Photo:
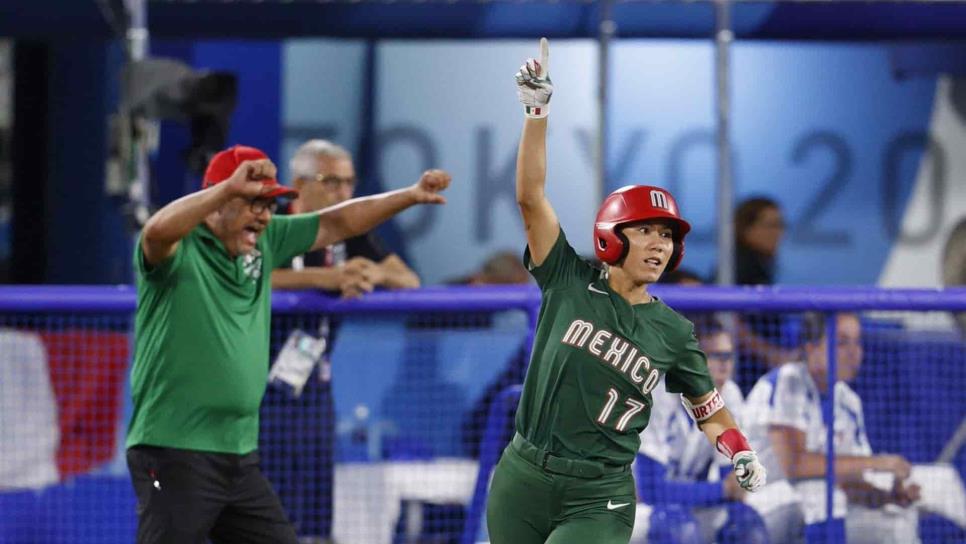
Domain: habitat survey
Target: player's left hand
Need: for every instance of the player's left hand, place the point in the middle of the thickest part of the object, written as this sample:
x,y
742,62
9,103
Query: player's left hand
x,y
749,471
431,183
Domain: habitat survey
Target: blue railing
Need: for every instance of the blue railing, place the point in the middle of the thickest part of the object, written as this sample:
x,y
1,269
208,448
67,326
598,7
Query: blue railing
x,y
122,298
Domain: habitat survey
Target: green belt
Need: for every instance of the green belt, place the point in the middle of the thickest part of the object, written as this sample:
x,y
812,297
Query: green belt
x,y
561,465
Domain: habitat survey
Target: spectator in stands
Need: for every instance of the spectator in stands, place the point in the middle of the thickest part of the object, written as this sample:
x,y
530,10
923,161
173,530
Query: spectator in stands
x,y
203,267
784,417
759,228
680,475
324,176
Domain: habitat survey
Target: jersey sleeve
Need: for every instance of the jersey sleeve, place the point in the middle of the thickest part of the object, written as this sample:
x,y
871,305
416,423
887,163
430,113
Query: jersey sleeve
x,y
561,267
291,235
689,375
163,270
789,401
856,441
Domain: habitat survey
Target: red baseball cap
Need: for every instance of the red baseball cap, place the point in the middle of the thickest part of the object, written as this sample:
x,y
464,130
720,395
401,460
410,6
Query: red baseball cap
x,y
224,164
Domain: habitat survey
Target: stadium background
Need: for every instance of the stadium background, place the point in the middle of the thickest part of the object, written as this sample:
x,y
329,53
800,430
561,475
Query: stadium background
x,y
833,106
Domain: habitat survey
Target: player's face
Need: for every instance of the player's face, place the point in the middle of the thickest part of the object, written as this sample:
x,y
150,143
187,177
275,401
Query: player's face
x,y
848,349
721,356
334,183
650,247
240,222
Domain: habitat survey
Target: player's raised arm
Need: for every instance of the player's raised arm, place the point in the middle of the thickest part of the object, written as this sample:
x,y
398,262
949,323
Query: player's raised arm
x,y
534,89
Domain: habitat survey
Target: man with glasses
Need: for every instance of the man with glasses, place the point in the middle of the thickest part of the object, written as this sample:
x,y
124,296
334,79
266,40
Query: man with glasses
x,y
300,405
203,266
323,174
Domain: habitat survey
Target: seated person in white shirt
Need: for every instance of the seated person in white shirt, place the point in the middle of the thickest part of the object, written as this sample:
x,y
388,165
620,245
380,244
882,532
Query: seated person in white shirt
x,y
783,413
684,480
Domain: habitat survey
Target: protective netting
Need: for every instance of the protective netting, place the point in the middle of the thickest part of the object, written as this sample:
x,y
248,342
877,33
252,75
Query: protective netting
x,y
897,408
382,443
62,401
393,437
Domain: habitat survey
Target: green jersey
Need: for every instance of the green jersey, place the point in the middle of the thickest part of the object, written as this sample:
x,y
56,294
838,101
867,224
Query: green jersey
x,y
201,339
595,360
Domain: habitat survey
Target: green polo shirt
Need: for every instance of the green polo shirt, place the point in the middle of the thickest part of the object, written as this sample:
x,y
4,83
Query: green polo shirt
x,y
596,358
202,339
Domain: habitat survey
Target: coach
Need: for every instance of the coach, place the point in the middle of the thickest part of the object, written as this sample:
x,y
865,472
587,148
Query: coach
x,y
203,267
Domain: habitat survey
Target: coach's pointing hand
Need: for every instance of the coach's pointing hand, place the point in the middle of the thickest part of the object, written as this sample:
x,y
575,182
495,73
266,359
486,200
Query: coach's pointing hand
x,y
534,87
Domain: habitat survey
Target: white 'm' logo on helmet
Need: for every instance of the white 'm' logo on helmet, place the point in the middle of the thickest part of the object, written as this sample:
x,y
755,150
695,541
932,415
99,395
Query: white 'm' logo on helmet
x,y
659,200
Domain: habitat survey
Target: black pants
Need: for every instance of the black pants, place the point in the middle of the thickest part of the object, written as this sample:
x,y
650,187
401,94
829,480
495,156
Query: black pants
x,y
187,497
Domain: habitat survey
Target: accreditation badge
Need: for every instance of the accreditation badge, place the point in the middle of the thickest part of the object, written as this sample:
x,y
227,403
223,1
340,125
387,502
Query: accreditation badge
x,y
294,364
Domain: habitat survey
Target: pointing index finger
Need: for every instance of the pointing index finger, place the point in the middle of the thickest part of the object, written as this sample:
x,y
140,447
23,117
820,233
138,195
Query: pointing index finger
x,y
544,56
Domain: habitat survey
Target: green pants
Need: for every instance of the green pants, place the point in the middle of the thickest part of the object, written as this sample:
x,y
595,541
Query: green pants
x,y
529,504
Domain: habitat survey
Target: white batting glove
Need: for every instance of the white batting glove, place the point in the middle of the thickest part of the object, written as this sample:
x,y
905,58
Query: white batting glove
x,y
534,87
749,471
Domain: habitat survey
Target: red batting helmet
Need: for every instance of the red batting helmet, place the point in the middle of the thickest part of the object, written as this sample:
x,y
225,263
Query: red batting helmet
x,y
636,203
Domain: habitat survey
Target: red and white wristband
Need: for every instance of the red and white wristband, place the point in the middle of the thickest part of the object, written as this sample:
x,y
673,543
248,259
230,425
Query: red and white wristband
x,y
706,409
731,442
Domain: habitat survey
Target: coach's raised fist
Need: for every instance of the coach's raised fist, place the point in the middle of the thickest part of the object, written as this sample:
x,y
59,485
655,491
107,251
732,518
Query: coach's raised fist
x,y
247,180
534,87
430,184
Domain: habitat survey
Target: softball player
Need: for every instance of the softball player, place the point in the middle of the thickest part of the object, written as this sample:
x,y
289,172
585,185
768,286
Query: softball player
x,y
689,487
785,422
602,344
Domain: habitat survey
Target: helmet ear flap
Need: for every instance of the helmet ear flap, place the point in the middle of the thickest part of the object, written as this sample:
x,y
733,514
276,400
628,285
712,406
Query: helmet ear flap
x,y
612,245
624,245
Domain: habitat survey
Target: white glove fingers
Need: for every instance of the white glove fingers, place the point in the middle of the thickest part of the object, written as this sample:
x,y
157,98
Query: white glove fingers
x,y
534,88
532,69
544,57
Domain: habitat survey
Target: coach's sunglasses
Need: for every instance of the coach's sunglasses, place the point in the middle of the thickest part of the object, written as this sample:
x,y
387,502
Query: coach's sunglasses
x,y
259,205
